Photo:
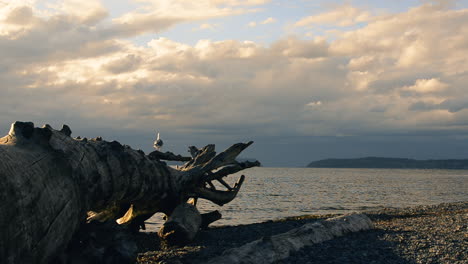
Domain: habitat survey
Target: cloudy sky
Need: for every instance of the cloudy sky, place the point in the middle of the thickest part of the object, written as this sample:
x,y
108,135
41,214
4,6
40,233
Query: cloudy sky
x,y
304,79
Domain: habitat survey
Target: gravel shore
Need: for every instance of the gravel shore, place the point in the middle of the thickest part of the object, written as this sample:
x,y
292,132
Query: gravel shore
x,y
423,234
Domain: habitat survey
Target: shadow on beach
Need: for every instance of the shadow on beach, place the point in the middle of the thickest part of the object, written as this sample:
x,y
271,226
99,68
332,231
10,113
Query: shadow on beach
x,y
423,234
362,247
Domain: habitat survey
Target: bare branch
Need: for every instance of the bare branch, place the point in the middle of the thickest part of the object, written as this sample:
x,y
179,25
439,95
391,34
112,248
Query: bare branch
x,y
226,157
211,185
238,166
200,172
194,151
224,183
220,197
157,155
204,155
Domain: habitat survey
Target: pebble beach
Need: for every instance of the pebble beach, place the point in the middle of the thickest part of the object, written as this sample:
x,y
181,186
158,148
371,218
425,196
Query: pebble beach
x,y
422,234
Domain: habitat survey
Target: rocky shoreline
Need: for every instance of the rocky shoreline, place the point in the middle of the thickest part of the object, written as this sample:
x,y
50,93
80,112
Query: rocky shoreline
x,y
422,234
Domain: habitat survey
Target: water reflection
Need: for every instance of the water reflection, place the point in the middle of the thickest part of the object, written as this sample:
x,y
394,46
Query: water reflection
x,y
270,193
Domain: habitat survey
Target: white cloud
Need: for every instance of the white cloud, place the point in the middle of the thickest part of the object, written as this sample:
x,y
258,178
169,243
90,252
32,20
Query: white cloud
x,y
426,86
206,26
125,64
87,12
342,16
21,15
157,15
269,20
360,80
394,50
400,72
294,47
252,24
314,103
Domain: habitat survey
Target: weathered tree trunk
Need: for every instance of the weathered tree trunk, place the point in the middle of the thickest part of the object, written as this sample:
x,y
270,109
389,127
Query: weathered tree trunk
x,y
51,183
275,248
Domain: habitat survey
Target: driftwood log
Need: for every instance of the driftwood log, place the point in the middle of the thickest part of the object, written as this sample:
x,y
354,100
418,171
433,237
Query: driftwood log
x,y
52,183
278,247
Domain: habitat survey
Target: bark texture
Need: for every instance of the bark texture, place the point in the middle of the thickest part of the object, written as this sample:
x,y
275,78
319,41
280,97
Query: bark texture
x,y
52,183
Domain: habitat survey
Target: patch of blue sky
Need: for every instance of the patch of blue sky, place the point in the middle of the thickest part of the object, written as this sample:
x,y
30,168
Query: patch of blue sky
x,y
462,4
119,7
285,13
236,27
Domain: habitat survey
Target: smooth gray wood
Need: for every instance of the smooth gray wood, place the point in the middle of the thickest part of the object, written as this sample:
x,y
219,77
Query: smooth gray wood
x,y
275,248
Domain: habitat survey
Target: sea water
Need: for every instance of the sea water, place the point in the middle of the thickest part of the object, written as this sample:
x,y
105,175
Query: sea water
x,y
272,193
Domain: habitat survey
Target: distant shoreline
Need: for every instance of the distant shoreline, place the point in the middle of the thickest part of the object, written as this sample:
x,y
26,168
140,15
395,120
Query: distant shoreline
x,y
390,163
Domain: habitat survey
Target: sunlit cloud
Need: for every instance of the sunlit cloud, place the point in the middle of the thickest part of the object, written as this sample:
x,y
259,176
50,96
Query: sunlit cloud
x,y
206,26
426,86
396,72
86,12
153,16
252,24
342,16
269,20
314,103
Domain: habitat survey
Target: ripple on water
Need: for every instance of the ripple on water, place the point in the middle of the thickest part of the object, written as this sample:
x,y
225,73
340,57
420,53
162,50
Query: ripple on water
x,y
271,193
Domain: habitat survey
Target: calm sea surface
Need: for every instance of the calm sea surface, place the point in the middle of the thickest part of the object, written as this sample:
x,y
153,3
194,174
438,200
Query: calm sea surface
x,y
270,193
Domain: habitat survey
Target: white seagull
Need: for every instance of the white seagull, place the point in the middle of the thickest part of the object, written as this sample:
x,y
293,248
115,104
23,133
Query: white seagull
x,y
158,143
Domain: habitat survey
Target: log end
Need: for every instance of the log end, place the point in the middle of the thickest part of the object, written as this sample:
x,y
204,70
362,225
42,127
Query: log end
x,y
172,234
66,130
181,227
22,129
24,133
